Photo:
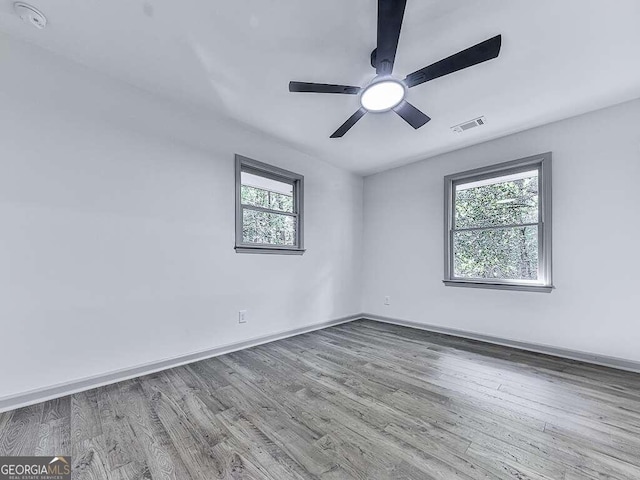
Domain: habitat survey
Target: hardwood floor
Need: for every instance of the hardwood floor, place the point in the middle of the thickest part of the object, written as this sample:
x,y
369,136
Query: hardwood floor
x,y
362,400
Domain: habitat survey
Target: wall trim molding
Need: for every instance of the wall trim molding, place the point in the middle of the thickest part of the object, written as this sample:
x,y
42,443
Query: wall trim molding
x,y
586,357
11,402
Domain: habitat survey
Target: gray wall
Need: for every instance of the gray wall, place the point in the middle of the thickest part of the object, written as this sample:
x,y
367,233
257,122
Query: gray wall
x,y
596,228
117,229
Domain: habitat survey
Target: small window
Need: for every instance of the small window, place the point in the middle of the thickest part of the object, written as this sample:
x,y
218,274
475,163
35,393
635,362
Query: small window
x,y
269,204
498,226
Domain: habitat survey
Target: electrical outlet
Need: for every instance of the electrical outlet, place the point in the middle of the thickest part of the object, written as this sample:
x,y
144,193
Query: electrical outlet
x,y
242,316
387,300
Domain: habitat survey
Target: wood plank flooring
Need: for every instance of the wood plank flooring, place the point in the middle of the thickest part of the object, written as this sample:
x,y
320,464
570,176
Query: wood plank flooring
x,y
362,400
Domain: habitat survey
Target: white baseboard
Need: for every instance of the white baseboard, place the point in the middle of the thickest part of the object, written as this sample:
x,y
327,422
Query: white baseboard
x,y
586,357
11,402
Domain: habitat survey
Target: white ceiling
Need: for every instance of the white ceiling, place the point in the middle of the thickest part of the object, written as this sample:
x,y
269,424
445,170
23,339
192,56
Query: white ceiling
x,y
559,58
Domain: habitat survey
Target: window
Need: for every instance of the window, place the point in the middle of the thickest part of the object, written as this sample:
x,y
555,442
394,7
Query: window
x,y
269,204
498,226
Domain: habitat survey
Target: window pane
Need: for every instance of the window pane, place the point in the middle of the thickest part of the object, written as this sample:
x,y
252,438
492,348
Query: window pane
x,y
505,200
510,253
266,193
268,228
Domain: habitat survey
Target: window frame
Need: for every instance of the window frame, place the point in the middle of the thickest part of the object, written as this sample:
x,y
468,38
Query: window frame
x,y
245,164
543,163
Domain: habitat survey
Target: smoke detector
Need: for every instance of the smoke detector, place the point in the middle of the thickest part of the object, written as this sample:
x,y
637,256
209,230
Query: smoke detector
x,y
30,14
463,127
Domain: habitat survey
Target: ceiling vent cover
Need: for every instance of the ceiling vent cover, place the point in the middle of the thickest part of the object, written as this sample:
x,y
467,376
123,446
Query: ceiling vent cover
x,y
463,127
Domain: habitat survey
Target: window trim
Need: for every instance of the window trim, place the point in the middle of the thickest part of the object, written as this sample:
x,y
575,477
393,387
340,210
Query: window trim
x,y
543,163
275,173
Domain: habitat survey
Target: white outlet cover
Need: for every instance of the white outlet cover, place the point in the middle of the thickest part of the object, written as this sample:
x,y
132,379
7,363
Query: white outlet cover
x,y
242,316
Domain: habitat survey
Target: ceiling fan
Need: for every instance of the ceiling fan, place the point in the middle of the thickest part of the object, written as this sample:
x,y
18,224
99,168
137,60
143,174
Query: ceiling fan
x,y
386,92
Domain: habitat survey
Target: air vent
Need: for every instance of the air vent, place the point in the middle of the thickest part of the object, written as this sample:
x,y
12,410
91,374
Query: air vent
x,y
463,127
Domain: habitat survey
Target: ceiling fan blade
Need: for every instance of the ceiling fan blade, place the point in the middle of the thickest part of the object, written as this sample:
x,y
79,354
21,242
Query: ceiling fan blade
x,y
390,15
466,58
322,88
344,128
411,114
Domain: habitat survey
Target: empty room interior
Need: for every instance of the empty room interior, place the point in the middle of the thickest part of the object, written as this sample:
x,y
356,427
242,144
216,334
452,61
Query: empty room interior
x,y
331,240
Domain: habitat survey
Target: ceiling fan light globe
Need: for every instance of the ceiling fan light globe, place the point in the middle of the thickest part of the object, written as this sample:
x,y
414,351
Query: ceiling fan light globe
x,y
382,96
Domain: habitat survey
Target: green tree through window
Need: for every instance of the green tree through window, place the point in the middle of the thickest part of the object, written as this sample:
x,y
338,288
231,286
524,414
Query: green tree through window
x,y
269,208
265,227
494,235
498,226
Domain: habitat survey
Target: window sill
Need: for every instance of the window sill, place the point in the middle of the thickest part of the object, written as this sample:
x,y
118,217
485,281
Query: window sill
x,y
500,286
270,250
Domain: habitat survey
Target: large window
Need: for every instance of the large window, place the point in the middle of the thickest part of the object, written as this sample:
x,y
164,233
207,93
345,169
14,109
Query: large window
x,y
498,226
269,204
